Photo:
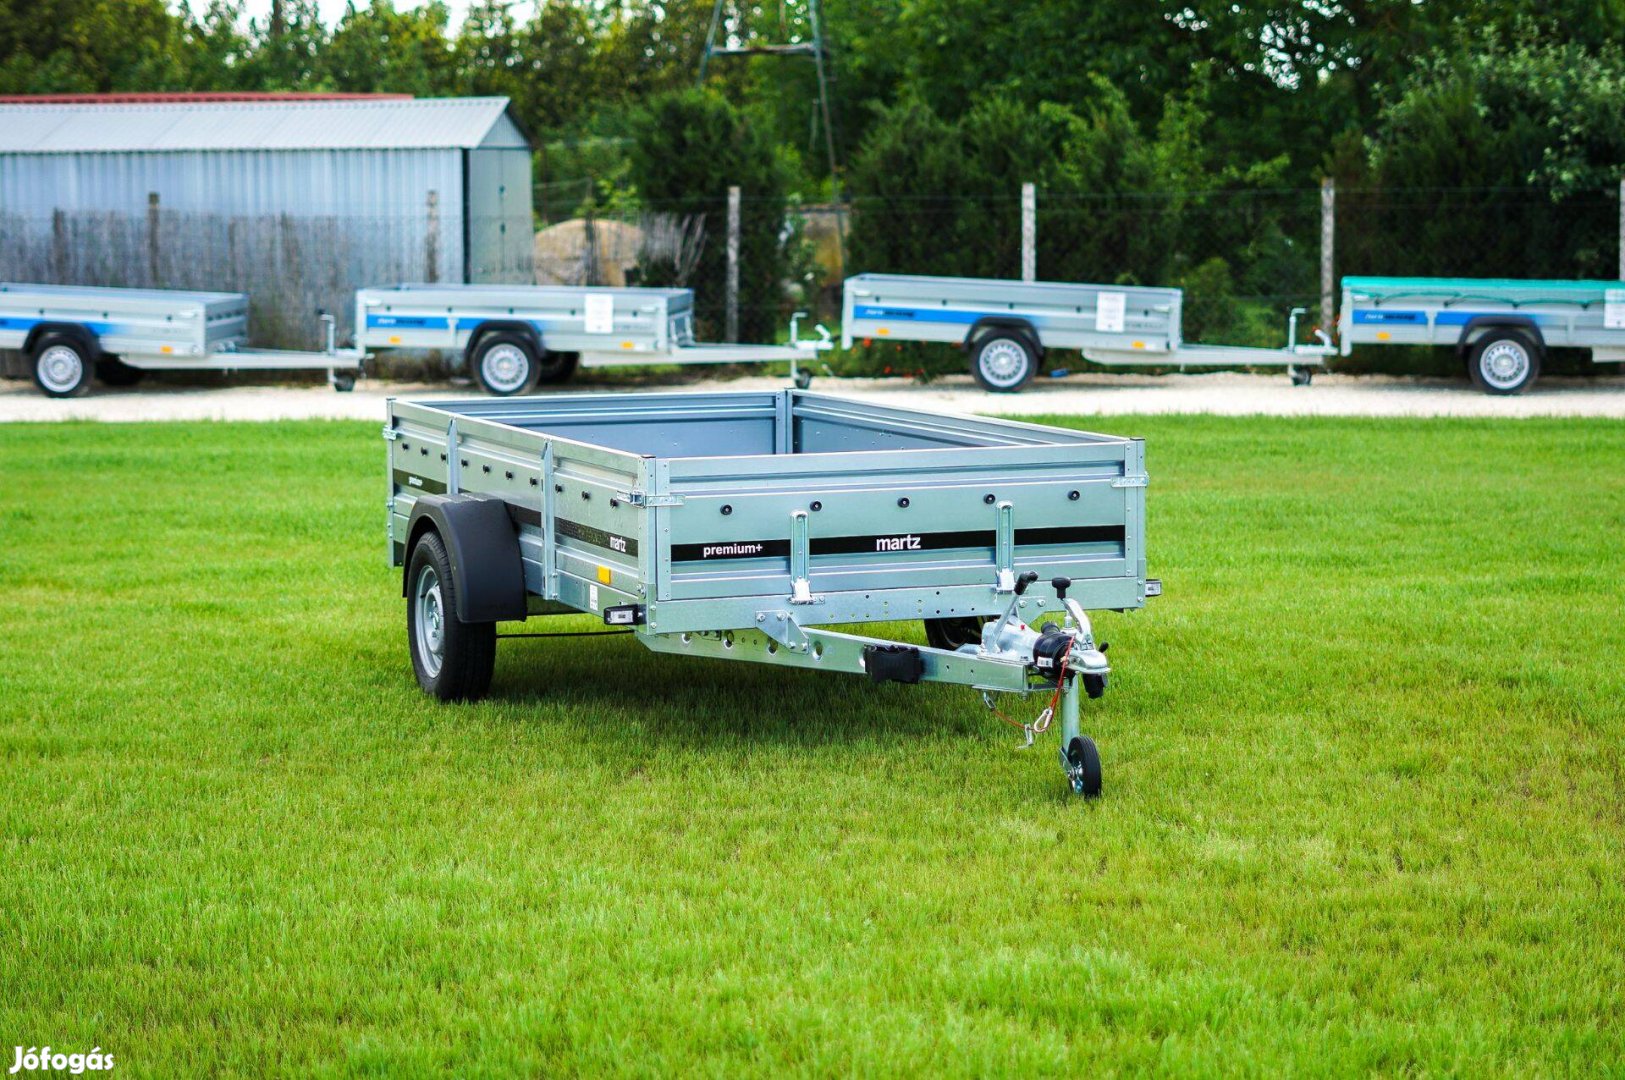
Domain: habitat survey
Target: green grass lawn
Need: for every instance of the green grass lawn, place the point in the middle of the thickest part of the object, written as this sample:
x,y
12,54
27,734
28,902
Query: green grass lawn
x,y
1364,810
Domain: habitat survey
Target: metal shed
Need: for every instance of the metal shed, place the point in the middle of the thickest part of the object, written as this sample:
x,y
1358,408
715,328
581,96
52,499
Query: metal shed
x,y
296,200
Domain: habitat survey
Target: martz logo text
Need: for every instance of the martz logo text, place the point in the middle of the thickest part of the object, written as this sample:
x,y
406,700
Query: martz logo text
x,y
897,543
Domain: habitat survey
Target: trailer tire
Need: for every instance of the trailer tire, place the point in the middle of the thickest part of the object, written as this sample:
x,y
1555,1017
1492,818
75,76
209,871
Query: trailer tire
x,y
1504,362
504,364
62,365
453,660
1003,362
949,634
556,367
1084,772
114,372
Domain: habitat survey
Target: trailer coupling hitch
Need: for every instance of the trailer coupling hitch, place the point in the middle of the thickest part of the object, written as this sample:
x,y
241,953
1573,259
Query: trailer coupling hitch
x,y
1063,656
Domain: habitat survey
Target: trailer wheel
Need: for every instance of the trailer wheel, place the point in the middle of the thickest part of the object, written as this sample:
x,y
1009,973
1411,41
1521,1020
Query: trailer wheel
x,y
453,660
1004,362
114,372
804,379
504,364
1083,767
344,381
61,366
950,634
557,366
1504,362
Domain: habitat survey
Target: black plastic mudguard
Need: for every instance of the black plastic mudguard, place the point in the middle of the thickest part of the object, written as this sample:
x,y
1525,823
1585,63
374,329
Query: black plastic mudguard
x,y
484,550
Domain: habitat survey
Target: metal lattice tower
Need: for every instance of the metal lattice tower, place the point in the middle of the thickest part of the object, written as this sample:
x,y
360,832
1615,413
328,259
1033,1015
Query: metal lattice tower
x,y
813,46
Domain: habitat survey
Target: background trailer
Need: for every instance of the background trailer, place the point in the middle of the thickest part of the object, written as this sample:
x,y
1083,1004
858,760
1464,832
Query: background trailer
x,y
1501,328
1006,326
69,333
513,337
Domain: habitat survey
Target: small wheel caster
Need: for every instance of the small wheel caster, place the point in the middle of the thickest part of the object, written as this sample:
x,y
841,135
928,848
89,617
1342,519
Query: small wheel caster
x,y
1302,376
344,383
1083,766
803,379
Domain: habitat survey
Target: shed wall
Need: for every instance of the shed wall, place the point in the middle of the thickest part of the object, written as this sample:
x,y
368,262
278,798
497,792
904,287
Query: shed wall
x,y
297,230
501,232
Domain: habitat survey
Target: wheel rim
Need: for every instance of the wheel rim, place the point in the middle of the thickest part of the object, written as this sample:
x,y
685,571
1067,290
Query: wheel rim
x,y
429,623
505,368
60,369
1003,362
1504,364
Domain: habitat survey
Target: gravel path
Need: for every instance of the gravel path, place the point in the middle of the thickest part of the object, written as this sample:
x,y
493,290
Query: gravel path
x,y
1090,394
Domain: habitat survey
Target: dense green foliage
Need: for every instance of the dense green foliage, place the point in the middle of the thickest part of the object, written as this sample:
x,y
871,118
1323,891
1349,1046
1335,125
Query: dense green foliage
x,y
1173,143
1502,163
1362,814
688,148
1123,201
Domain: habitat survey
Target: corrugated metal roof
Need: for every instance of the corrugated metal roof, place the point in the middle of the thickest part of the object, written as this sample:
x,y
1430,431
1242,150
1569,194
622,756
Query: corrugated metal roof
x,y
183,96
283,125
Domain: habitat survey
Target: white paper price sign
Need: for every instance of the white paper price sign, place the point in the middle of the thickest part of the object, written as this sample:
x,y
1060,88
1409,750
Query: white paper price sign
x,y
1613,309
1109,309
600,314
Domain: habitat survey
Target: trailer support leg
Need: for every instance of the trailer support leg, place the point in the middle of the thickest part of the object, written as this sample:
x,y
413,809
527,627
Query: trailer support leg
x,y
1071,723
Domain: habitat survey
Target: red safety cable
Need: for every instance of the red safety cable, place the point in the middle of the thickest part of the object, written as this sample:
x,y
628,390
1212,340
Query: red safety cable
x,y
1060,681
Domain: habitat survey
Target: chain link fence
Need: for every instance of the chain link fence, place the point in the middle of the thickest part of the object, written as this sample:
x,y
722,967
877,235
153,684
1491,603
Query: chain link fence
x,y
1245,259
291,266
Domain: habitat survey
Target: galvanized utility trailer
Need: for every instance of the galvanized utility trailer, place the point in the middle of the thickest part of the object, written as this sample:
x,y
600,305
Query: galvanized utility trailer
x,y
1006,326
738,526
69,332
1500,328
515,336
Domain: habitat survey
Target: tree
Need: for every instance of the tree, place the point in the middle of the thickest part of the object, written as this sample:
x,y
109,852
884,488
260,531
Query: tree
x,y
89,46
285,56
1502,163
688,147
378,48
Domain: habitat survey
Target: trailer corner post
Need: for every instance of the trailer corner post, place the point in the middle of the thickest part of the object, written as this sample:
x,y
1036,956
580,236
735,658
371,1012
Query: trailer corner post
x,y
732,334
1029,232
1328,235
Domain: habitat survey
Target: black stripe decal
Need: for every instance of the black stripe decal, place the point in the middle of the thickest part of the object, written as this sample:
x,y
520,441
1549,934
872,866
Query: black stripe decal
x,y
589,534
854,545
414,482
730,549
524,515
1072,534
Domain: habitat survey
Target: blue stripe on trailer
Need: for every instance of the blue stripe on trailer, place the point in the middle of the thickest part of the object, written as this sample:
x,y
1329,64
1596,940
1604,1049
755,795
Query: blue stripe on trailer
x,y
936,315
434,322
1442,318
14,323
408,322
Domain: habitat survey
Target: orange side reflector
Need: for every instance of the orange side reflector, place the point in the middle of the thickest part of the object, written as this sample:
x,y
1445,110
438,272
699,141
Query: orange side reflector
x,y
603,575
1383,335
